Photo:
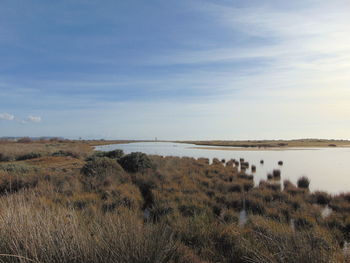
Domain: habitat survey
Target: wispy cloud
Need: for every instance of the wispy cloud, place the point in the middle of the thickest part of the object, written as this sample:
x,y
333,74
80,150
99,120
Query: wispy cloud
x,y
7,116
34,119
11,117
312,34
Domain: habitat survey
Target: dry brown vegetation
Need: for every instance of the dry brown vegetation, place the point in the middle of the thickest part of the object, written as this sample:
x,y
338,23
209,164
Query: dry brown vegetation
x,y
86,207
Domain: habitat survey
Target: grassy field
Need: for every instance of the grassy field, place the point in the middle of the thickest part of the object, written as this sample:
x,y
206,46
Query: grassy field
x,y
275,143
62,202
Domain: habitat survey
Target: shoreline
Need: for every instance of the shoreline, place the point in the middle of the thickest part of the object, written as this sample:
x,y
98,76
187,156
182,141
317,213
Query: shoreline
x,y
230,148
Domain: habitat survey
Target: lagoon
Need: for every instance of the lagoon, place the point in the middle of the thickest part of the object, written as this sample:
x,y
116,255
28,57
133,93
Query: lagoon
x,y
327,168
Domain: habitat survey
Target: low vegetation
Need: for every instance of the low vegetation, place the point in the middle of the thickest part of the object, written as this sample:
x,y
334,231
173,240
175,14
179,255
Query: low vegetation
x,y
276,143
111,207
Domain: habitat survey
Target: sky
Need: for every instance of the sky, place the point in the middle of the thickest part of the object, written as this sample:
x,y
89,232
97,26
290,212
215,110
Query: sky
x,y
176,69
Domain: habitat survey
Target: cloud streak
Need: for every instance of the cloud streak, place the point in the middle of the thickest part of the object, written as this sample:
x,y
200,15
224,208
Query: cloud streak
x,y
34,119
11,117
7,116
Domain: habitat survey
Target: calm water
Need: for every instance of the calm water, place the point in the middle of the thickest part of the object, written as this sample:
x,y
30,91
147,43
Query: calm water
x,y
327,168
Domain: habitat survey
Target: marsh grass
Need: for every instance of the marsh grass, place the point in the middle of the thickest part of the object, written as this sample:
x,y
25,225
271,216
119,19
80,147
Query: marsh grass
x,y
92,209
276,242
10,151
29,230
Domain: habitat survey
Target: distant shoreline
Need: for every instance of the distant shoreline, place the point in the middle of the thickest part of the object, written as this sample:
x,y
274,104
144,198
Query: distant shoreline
x,y
271,144
230,148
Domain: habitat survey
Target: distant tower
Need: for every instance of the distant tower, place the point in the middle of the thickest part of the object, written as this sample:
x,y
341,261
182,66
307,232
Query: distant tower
x,y
155,139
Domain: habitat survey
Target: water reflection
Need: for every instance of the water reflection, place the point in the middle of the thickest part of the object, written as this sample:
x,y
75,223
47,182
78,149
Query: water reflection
x,y
326,211
242,218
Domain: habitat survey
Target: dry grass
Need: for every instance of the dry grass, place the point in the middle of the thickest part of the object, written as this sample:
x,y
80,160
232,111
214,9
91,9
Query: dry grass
x,y
274,242
31,231
14,150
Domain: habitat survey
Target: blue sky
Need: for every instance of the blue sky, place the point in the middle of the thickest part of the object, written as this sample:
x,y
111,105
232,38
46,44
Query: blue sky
x,y
184,69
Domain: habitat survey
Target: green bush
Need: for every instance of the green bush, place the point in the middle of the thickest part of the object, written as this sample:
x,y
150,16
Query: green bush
x,y
321,198
27,156
104,167
303,182
135,162
62,153
116,154
276,174
5,158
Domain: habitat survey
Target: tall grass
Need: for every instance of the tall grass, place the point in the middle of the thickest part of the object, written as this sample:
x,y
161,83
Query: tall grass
x,y
29,230
273,242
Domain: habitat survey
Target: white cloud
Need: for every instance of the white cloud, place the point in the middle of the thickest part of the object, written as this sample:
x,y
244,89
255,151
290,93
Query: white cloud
x,y
34,119
11,117
7,116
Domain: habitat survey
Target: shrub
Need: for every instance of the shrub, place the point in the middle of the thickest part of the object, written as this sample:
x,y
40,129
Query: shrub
x,y
4,158
104,167
62,153
24,140
321,198
27,156
14,177
253,168
116,154
12,184
303,182
276,174
135,162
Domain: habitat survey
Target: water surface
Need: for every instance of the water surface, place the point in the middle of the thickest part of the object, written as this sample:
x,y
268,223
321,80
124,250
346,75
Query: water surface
x,y
327,168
